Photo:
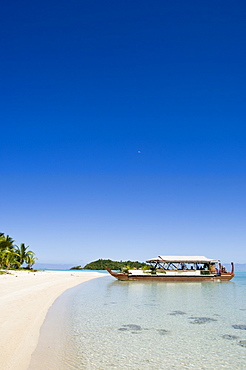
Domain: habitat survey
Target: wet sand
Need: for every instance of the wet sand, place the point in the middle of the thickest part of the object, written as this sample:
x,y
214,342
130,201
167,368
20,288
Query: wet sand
x,y
25,298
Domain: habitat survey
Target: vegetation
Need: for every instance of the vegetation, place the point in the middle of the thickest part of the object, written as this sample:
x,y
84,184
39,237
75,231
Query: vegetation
x,y
3,272
113,265
76,268
13,256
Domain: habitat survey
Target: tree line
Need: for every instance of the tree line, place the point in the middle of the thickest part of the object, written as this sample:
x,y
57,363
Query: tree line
x,y
13,256
102,264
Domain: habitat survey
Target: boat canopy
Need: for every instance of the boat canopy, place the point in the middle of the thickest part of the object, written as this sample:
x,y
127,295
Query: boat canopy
x,y
185,259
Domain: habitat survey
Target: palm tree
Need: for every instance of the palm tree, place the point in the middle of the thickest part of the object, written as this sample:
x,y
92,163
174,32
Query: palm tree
x,y
6,241
12,256
9,258
30,260
23,255
6,248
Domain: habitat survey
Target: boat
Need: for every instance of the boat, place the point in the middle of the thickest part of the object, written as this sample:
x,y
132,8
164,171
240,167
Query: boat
x,y
178,268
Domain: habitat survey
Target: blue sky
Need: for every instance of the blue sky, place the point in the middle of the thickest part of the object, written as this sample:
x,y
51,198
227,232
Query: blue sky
x,y
123,129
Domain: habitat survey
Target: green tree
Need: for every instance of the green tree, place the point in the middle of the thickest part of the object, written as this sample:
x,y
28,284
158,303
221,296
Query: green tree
x,y
12,256
23,255
113,265
9,258
30,260
6,241
7,250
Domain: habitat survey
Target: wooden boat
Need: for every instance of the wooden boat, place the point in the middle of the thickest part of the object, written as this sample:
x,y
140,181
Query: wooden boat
x,y
178,268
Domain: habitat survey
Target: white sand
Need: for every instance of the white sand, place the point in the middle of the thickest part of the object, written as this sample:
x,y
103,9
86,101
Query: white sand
x,y
25,298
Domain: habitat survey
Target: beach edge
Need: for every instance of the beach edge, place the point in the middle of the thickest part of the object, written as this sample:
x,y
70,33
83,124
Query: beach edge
x,y
25,300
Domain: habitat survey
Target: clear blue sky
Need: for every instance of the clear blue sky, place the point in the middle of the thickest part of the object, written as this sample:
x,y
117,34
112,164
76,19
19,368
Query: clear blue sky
x,y
123,129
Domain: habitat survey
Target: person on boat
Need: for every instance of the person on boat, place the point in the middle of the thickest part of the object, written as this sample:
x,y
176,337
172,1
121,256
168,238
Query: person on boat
x,y
213,268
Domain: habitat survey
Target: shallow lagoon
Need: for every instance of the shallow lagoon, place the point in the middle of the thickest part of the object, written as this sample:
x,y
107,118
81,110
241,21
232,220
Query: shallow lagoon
x,y
105,323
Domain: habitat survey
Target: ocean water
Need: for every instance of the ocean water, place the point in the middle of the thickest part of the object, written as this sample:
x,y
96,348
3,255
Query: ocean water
x,y
108,324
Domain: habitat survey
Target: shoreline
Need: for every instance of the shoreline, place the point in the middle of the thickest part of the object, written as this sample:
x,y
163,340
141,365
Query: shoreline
x,y
24,302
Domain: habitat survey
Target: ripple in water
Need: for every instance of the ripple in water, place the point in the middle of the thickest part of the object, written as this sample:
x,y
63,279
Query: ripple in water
x,y
229,337
240,327
175,313
201,320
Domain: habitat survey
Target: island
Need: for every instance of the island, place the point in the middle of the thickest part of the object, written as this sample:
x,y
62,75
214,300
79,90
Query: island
x,y
102,264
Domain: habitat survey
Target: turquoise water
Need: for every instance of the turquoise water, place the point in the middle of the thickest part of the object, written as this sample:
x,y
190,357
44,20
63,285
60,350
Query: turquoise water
x,y
107,324
101,271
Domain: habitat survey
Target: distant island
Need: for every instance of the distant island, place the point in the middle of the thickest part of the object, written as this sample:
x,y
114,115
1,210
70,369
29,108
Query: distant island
x,y
112,265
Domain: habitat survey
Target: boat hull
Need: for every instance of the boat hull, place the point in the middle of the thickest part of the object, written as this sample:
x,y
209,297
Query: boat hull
x,y
166,278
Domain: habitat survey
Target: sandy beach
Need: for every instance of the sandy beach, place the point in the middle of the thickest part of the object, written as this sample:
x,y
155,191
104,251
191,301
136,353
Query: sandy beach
x,y
24,302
